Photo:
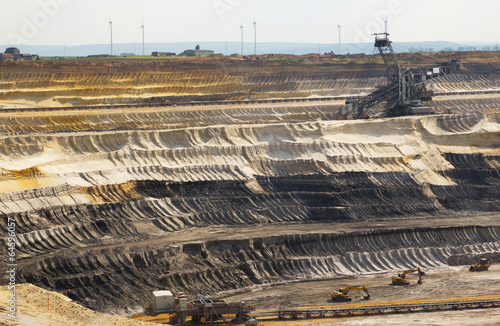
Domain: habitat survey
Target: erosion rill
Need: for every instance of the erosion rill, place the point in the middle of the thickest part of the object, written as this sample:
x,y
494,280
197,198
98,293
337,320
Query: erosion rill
x,y
113,203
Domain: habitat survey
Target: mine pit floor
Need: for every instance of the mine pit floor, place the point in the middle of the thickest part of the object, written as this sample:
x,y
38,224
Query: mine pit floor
x,y
443,284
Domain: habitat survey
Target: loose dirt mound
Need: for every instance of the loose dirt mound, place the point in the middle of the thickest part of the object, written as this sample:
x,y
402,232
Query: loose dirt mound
x,y
36,306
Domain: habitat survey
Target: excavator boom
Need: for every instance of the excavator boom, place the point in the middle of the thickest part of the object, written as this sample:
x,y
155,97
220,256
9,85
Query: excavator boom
x,y
384,46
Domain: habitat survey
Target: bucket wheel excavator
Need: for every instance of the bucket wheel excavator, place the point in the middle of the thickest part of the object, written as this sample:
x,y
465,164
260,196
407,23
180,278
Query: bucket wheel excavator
x,y
406,87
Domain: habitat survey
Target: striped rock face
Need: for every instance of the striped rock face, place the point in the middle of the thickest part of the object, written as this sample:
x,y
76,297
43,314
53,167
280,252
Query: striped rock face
x,y
110,204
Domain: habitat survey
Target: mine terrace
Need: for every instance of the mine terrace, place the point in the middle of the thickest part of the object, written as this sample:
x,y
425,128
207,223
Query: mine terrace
x,y
270,180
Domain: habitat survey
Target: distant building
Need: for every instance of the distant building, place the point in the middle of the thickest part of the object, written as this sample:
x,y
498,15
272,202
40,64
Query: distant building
x,y
197,52
163,54
13,51
27,57
14,54
7,57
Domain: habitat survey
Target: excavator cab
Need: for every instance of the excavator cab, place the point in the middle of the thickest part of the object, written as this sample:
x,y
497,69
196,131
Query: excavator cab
x,y
382,40
399,280
338,296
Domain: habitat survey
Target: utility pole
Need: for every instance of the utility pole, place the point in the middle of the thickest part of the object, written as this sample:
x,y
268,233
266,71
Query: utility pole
x,y
241,26
142,26
111,31
143,50
340,48
255,32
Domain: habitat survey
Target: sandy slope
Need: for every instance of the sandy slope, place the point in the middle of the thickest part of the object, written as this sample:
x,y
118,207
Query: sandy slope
x,y
38,307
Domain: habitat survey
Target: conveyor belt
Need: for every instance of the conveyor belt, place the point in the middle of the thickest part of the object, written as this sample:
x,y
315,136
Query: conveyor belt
x,y
383,308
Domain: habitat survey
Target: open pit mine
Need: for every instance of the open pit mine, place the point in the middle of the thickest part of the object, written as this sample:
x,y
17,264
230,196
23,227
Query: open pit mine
x,y
246,180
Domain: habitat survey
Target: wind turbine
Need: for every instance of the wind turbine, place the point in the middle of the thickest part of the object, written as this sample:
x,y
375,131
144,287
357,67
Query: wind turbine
x,y
340,29
386,21
142,26
255,32
111,31
241,26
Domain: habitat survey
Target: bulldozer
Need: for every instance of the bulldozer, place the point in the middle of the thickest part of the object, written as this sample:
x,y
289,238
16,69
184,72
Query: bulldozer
x,y
341,294
483,265
401,278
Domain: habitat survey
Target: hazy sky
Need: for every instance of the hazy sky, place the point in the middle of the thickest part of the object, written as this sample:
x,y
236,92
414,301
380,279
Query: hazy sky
x,y
74,22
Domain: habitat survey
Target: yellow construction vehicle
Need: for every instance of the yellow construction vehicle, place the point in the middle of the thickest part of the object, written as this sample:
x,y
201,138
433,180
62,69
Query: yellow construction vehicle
x,y
483,265
401,278
341,294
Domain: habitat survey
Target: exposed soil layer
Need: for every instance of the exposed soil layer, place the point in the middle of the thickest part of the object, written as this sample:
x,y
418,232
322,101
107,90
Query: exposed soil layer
x,y
88,229
208,267
94,82
111,204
